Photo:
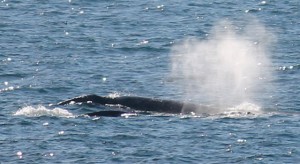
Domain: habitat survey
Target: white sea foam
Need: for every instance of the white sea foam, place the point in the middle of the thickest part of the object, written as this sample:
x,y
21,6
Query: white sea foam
x,y
127,115
31,111
114,95
243,110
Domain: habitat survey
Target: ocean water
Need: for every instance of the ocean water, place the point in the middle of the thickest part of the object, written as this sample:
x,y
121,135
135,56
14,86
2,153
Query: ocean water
x,y
242,57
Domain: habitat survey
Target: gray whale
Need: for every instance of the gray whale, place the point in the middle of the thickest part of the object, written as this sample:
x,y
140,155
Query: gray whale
x,y
139,104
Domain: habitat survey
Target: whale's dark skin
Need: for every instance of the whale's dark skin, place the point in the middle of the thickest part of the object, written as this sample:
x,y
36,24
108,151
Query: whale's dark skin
x,y
136,103
106,113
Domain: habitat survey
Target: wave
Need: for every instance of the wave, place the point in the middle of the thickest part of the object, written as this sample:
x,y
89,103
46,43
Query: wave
x,y
31,111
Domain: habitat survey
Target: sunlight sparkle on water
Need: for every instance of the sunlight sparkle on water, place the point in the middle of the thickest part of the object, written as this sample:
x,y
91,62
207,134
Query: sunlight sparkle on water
x,y
61,132
20,154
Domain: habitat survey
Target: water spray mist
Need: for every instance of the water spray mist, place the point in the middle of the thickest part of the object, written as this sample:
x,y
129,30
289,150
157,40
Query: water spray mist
x,y
226,69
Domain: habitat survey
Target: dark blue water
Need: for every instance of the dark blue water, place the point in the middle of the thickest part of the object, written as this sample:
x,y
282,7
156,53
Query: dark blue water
x,y
51,51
